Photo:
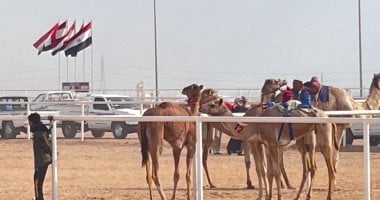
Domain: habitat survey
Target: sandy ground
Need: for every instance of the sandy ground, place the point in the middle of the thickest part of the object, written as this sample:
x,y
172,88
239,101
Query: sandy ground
x,y
110,169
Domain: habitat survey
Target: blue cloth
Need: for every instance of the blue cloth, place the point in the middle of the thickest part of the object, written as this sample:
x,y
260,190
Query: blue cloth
x,y
270,104
323,95
305,99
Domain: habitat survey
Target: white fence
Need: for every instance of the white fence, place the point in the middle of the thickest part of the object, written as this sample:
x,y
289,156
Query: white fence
x,y
198,180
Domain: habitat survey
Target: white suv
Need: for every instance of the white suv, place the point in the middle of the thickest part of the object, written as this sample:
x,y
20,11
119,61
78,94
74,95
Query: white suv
x,y
356,132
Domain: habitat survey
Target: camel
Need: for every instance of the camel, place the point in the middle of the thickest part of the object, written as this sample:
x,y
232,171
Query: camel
x,y
339,99
268,134
209,95
177,134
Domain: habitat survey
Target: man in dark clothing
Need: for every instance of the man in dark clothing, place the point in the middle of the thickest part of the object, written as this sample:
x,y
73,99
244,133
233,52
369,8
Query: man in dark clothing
x,y
42,152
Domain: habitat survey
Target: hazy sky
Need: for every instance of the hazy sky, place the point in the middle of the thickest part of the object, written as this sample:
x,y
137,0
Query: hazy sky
x,y
217,43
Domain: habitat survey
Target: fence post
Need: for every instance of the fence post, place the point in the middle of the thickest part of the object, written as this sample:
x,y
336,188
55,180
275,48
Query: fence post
x,y
54,161
82,124
367,163
198,181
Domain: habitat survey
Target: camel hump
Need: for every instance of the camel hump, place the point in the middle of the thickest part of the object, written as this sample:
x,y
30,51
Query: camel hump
x,y
165,105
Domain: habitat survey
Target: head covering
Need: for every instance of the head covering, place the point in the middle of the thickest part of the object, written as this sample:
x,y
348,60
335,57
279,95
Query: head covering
x,y
244,99
287,95
314,79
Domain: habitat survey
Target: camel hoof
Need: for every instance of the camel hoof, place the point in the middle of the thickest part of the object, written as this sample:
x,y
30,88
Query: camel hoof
x,y
212,186
249,185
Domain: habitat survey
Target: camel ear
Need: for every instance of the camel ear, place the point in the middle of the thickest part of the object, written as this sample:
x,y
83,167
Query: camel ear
x,y
220,101
201,87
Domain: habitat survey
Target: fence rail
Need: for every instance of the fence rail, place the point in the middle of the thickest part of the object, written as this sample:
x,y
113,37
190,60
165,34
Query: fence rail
x,y
198,183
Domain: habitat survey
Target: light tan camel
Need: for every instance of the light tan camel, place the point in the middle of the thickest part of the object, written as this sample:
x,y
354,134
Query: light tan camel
x,y
339,99
210,95
177,134
268,134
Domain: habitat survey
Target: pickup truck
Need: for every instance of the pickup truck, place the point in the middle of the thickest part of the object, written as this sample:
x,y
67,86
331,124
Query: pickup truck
x,y
356,132
12,128
103,104
16,106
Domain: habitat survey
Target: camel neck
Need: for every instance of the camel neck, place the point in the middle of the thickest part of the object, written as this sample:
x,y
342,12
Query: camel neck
x,y
194,106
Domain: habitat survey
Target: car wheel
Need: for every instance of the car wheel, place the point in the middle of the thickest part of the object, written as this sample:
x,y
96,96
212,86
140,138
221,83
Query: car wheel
x,y
97,133
374,141
349,136
9,131
119,130
69,129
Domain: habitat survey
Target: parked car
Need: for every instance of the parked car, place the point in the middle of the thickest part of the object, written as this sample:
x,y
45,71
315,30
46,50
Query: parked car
x,y
356,132
11,128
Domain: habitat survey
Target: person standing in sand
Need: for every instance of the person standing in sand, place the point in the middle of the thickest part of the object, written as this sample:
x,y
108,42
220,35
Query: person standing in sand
x,y
41,151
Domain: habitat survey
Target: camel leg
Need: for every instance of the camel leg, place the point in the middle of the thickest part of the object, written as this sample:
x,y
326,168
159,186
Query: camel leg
x,y
327,147
176,155
148,168
305,165
247,160
283,172
261,168
311,154
306,147
327,153
207,145
274,171
189,165
155,166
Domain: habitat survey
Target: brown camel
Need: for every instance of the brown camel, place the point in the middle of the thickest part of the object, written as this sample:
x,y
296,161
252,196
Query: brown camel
x,y
339,99
177,134
268,134
255,110
207,96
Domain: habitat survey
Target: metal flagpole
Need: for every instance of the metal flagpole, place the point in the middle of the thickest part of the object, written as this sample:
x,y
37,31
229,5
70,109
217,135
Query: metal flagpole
x,y
360,50
75,68
84,66
92,62
67,68
155,47
59,71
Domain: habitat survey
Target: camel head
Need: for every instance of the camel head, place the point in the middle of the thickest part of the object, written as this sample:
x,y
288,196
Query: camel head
x,y
208,95
192,92
270,87
376,81
215,107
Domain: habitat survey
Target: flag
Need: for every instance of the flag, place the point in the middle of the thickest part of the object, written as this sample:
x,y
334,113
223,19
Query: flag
x,y
79,41
44,43
58,35
64,40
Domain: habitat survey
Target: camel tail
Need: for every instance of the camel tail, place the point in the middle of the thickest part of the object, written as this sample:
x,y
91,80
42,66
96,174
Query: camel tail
x,y
144,144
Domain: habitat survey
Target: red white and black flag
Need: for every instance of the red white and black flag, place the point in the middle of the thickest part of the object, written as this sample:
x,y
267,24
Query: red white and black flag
x,y
81,40
61,40
44,43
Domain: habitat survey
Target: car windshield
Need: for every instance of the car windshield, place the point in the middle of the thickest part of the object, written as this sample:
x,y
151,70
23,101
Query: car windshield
x,y
122,102
16,106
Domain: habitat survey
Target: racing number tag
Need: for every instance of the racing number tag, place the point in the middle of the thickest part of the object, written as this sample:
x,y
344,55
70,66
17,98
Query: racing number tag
x,y
238,128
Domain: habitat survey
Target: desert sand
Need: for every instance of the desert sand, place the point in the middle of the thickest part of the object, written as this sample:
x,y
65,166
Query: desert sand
x,y
110,169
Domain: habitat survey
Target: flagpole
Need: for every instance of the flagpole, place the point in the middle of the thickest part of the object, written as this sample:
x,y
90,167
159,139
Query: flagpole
x,y
92,63
67,68
59,71
155,48
84,66
75,68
